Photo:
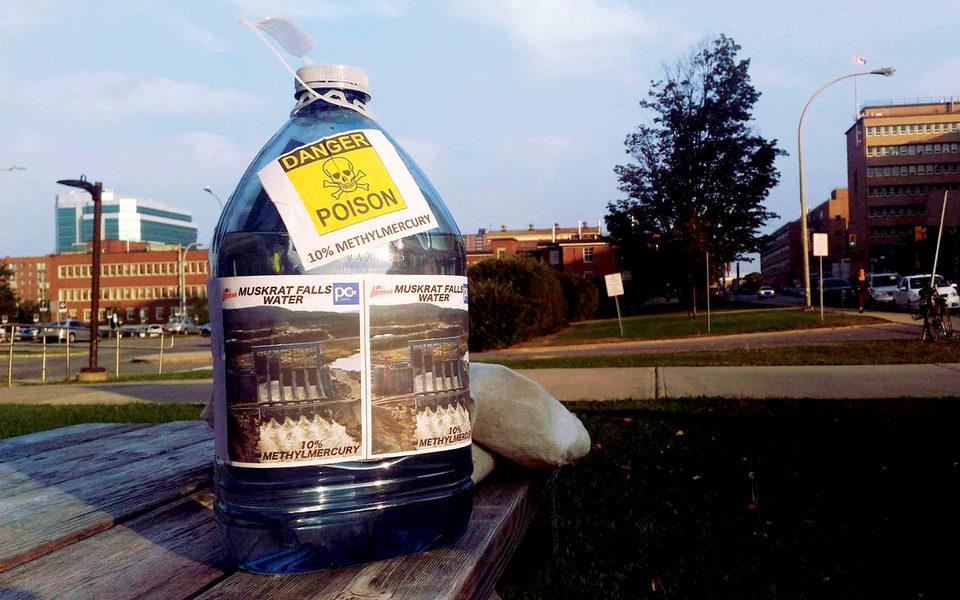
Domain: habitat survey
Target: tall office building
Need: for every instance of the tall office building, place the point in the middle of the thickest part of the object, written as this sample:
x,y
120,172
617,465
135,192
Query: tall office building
x,y
124,219
901,158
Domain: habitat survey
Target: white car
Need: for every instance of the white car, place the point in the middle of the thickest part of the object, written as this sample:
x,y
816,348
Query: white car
x,y
907,292
882,286
766,291
152,330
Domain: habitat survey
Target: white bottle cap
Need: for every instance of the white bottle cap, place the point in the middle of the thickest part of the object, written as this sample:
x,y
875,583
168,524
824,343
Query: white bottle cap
x,y
340,77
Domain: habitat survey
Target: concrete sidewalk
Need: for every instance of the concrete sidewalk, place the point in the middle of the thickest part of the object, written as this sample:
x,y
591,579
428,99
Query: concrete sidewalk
x,y
643,383
828,382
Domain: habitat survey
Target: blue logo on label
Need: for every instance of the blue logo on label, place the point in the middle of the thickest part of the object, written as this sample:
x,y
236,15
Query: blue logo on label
x,y
346,293
465,293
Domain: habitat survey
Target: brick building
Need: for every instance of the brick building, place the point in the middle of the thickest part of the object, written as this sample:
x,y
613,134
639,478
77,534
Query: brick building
x,y
901,157
139,280
580,250
781,260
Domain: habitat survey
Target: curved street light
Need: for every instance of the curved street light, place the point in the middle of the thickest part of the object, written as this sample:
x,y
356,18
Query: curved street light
x,y
93,372
804,234
181,254
210,191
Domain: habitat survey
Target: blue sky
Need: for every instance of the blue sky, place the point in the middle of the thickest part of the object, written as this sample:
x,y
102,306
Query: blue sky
x,y
516,110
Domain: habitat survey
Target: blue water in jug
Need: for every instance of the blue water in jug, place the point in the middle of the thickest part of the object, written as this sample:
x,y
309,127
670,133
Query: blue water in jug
x,y
301,518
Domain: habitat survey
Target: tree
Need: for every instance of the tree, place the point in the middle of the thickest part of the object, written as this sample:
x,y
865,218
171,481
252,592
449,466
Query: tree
x,y
699,173
8,298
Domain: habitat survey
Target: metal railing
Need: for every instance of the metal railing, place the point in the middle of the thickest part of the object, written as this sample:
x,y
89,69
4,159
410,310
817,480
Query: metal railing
x,y
35,353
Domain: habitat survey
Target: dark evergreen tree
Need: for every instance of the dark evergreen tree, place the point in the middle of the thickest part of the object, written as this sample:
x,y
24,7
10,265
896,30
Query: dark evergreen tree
x,y
8,298
699,174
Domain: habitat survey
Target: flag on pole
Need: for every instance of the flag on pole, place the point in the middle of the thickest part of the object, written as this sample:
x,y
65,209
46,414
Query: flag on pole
x,y
859,59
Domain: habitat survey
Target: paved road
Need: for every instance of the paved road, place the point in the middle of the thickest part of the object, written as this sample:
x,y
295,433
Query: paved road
x,y
137,356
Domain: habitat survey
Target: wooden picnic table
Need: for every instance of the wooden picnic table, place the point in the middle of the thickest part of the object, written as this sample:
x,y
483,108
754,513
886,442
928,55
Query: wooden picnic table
x,y
105,510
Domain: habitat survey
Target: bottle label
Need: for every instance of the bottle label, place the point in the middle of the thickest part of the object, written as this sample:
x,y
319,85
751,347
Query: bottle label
x,y
343,194
316,369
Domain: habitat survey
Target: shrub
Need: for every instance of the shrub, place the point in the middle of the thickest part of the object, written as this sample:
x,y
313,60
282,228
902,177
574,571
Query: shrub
x,y
512,300
583,297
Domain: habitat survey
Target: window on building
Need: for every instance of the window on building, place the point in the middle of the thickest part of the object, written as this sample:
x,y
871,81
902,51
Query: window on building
x,y
158,312
501,252
131,314
588,254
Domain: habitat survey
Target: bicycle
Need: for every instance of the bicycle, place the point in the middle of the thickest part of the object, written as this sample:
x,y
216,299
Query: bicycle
x,y
932,308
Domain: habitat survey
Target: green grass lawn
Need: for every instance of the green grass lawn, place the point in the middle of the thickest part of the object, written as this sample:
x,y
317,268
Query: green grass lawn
x,y
887,352
21,419
679,324
757,500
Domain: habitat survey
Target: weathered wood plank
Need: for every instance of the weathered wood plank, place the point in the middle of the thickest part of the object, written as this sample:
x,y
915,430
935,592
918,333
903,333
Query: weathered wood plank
x,y
41,441
504,506
57,465
167,554
42,520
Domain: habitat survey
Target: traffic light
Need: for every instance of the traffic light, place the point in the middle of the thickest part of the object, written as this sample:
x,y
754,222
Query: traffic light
x,y
852,240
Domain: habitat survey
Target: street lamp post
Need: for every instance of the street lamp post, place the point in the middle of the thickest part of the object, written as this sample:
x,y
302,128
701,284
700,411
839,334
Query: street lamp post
x,y
93,372
181,254
210,191
804,234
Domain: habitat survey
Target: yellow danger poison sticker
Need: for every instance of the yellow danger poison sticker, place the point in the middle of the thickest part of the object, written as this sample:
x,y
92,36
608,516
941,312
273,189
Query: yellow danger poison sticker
x,y
355,185
343,193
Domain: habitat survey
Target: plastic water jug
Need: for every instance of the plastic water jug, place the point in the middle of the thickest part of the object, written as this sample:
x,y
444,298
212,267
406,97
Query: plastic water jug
x,y
338,305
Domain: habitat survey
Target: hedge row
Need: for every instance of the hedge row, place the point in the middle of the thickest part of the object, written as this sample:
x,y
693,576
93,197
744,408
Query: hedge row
x,y
518,298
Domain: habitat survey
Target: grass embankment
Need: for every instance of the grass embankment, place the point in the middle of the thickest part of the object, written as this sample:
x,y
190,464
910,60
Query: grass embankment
x,y
21,419
670,325
887,352
756,500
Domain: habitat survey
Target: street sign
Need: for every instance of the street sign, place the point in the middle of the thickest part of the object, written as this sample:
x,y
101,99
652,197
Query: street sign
x,y
614,283
614,290
820,244
63,305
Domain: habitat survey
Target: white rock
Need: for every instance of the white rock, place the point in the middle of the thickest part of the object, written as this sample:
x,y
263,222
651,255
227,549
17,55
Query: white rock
x,y
483,463
518,419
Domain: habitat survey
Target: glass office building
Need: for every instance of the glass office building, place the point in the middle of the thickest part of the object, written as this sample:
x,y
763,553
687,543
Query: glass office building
x,y
125,219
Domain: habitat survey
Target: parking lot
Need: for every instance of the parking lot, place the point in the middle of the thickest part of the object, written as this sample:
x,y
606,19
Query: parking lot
x,y
33,362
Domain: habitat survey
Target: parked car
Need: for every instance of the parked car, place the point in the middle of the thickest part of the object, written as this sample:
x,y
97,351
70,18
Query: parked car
x,y
205,330
882,286
152,330
73,330
907,293
182,326
766,291
28,333
836,291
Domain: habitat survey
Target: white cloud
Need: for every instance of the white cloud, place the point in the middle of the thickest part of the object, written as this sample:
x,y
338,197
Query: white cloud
x,y
313,9
425,153
107,95
215,152
15,15
567,34
205,39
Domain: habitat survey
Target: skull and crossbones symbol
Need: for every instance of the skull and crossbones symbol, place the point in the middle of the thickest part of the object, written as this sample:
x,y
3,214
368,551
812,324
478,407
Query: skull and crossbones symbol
x,y
343,177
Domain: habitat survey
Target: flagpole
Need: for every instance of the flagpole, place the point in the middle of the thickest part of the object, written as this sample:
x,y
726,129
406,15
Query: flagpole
x,y
856,101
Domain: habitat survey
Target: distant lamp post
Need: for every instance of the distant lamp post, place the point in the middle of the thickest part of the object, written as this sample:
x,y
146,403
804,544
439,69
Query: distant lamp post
x,y
92,372
804,233
181,255
210,191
